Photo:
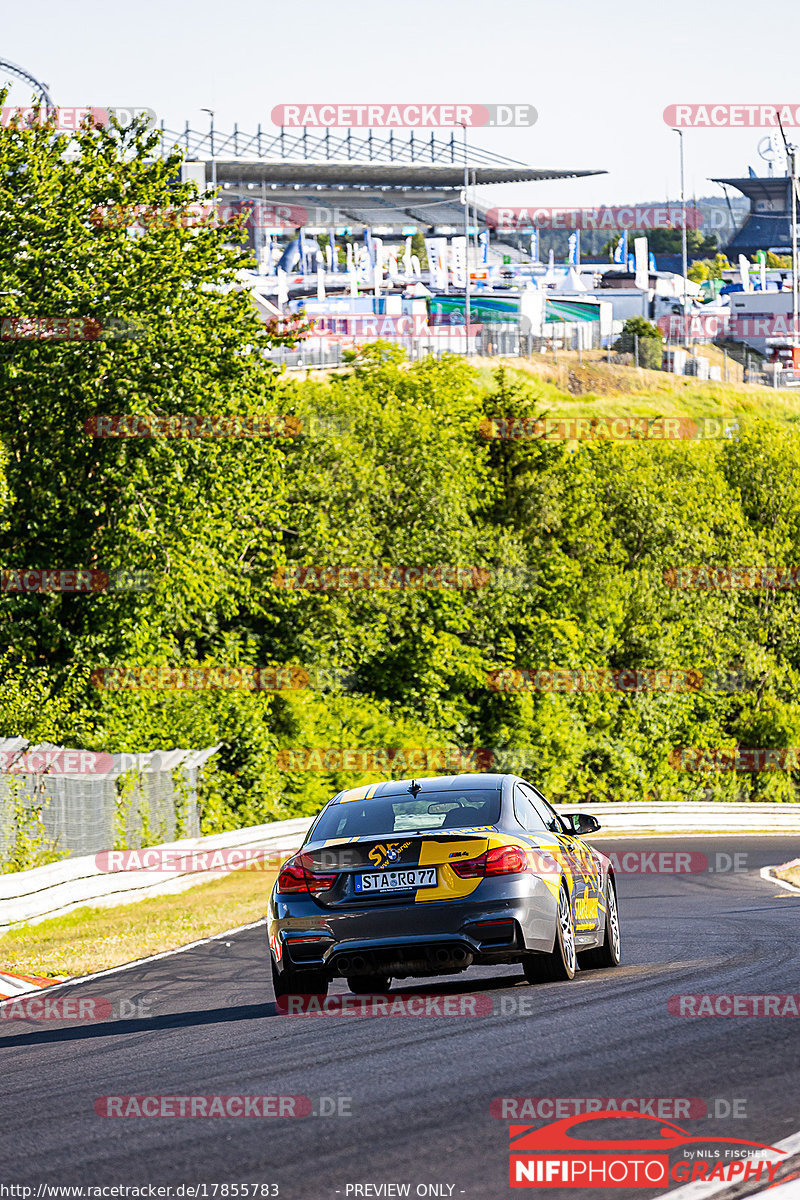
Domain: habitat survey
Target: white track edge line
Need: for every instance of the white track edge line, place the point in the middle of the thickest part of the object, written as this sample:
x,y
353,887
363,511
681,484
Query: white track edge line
x,y
138,961
765,874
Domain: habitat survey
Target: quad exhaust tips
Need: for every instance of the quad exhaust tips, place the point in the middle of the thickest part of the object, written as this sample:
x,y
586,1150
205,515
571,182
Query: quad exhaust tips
x,y
445,958
455,956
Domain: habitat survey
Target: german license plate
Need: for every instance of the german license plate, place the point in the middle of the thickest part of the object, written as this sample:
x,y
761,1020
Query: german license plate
x,y
396,881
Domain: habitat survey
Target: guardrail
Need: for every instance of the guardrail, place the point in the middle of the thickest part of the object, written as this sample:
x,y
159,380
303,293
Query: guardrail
x,y
31,896
58,888
694,816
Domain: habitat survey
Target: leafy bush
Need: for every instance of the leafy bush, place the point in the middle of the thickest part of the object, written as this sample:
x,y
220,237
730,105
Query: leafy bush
x,y
637,332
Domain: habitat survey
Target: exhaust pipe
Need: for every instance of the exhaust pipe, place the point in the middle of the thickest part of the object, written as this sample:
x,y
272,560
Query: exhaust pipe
x,y
343,964
357,962
442,955
460,955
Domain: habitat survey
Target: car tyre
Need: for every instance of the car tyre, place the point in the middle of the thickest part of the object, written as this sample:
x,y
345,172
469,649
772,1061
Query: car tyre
x,y
290,982
364,985
561,963
610,953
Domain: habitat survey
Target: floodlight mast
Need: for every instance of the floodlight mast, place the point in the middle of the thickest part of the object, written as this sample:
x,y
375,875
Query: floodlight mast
x,y
466,246
791,151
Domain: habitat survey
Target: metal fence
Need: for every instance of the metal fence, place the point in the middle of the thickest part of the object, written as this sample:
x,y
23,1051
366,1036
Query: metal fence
x,y
117,801
335,355
513,338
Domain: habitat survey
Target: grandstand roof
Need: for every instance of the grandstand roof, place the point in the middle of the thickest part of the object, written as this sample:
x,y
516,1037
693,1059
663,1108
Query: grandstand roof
x,y
332,158
356,178
390,175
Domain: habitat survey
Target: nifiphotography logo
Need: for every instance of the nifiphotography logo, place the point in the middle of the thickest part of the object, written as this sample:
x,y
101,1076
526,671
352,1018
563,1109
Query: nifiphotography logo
x,y
552,1156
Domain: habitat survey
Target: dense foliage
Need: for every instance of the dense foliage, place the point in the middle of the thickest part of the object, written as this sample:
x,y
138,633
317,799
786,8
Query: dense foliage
x,y
388,466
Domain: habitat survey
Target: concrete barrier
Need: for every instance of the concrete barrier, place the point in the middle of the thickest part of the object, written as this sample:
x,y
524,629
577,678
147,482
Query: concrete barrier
x,y
50,891
692,817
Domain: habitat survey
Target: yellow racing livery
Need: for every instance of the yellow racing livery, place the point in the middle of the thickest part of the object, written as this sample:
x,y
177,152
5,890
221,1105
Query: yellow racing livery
x,y
426,877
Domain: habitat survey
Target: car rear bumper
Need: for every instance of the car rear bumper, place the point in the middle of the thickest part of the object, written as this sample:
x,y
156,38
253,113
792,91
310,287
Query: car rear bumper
x,y
497,923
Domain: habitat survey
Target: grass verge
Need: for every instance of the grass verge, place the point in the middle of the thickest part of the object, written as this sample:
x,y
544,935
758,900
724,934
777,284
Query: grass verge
x,y
92,939
597,388
790,872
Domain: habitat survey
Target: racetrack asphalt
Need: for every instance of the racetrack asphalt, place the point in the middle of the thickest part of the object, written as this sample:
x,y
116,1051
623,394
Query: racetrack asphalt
x,y
417,1089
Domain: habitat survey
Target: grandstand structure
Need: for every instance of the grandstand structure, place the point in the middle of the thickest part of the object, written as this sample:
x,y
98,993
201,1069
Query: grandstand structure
x,y
768,224
352,181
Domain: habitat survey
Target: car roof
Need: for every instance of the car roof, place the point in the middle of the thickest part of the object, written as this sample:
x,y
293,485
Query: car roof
x,y
431,783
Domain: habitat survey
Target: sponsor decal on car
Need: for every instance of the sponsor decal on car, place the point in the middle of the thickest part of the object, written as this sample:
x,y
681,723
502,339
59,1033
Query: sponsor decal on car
x,y
383,855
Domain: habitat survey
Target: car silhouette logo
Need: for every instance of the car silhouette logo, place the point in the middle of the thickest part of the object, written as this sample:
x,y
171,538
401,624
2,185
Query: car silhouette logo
x,y
556,1136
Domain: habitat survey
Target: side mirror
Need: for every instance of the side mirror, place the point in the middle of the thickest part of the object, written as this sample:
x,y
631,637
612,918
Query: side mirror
x,y
582,823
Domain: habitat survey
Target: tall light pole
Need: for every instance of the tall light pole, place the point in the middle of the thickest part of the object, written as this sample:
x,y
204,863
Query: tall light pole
x,y
791,152
466,243
684,256
210,112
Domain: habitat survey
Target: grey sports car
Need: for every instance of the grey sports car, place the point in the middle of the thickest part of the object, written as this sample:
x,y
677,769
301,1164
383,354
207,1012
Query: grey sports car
x,y
431,876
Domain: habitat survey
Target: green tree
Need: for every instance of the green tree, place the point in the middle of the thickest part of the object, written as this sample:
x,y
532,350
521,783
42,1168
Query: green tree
x,y
173,335
418,248
775,260
642,338
708,268
669,241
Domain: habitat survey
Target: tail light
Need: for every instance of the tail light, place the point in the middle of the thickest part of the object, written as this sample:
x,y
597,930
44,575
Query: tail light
x,y
298,875
502,860
506,860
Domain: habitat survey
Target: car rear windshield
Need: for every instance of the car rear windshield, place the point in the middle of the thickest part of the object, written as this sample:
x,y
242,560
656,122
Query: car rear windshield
x,y
399,814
